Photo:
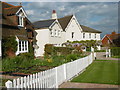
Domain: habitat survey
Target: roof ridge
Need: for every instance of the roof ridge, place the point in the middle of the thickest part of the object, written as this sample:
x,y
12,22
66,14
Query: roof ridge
x,y
8,4
13,7
66,16
44,20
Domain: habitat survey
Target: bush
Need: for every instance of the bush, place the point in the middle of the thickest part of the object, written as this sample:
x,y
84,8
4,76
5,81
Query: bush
x,y
115,51
62,50
27,55
9,44
71,57
48,49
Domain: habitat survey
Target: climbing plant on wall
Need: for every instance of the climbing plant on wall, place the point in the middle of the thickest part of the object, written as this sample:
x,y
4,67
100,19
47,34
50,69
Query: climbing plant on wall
x,y
9,46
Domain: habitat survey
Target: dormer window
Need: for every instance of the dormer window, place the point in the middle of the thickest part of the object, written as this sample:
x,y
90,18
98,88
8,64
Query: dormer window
x,y
21,15
20,21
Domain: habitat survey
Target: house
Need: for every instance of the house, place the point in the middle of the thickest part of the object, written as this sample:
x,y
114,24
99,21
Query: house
x,y
15,23
111,39
59,30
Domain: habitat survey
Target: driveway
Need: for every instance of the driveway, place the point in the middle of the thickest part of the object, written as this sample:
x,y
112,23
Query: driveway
x,y
101,56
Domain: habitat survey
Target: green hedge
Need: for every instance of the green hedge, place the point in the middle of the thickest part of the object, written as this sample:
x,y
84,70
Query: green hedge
x,y
115,51
51,50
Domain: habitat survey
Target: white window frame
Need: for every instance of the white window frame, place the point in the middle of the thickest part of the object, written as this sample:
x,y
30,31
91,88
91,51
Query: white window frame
x,y
21,22
56,33
89,35
52,33
72,35
22,46
83,35
59,33
95,35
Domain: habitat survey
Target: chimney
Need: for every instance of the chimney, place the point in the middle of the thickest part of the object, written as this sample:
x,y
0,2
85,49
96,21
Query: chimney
x,y
54,15
113,33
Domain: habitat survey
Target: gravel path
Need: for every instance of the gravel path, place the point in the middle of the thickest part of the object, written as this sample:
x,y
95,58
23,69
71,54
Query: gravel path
x,y
8,77
86,85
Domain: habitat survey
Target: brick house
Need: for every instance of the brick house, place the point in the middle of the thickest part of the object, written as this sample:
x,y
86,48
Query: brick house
x,y
110,39
15,23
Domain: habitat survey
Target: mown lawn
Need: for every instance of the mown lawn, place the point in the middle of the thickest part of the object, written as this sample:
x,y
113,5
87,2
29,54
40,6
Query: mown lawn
x,y
100,71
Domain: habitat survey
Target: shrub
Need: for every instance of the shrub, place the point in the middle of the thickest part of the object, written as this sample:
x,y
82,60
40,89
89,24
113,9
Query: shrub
x,y
48,49
62,50
115,51
9,45
27,55
71,57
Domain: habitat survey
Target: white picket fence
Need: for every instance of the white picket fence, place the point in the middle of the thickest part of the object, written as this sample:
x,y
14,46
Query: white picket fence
x,y
52,78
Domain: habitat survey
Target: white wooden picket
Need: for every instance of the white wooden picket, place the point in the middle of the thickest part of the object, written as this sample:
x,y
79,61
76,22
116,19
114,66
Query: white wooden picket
x,y
52,78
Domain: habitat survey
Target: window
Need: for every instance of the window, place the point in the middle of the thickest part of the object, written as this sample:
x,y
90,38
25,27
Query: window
x,y
20,21
23,46
58,32
83,35
52,32
72,34
20,46
95,35
89,35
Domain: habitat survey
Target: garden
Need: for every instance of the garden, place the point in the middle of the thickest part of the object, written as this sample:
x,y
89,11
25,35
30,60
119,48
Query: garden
x,y
53,56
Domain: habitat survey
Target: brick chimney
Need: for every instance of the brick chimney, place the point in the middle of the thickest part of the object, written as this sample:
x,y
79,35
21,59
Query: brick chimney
x,y
54,14
113,33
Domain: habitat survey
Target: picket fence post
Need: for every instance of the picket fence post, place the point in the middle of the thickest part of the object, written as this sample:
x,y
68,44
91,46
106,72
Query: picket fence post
x,y
65,76
8,84
56,77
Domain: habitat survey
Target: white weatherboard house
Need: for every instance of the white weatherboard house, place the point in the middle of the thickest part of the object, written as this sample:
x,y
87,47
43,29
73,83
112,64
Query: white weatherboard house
x,y
59,30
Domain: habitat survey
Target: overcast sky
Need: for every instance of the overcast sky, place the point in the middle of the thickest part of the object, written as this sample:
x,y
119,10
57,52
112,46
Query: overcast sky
x,y
102,16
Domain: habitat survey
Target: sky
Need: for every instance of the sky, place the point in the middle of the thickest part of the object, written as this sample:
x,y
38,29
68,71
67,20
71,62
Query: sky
x,y
102,16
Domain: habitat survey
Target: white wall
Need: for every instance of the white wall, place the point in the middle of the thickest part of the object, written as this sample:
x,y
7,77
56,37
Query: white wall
x,y
73,27
56,39
42,38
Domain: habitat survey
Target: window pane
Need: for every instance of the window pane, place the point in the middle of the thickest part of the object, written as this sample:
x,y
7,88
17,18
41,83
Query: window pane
x,y
22,45
19,45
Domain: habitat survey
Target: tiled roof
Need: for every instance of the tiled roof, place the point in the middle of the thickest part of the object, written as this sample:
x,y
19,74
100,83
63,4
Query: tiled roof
x,y
43,23
113,36
6,5
88,29
65,21
11,10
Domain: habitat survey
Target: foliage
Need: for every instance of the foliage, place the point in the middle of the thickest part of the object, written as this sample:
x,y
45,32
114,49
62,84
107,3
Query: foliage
x,y
62,50
100,50
86,43
71,57
117,42
115,51
9,44
48,49
27,55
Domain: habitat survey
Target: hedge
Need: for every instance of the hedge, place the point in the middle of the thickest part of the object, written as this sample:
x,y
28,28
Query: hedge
x,y
51,50
115,51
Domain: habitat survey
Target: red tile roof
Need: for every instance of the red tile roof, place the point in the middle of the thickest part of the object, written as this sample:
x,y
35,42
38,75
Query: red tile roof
x,y
113,36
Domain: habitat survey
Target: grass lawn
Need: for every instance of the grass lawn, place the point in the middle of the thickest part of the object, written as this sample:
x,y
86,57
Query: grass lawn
x,y
100,71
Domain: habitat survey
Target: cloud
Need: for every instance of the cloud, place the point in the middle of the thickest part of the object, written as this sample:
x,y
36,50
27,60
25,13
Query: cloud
x,y
102,16
30,12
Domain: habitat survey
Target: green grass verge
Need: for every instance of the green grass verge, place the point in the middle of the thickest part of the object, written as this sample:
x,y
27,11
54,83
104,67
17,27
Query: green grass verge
x,y
103,72
115,56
